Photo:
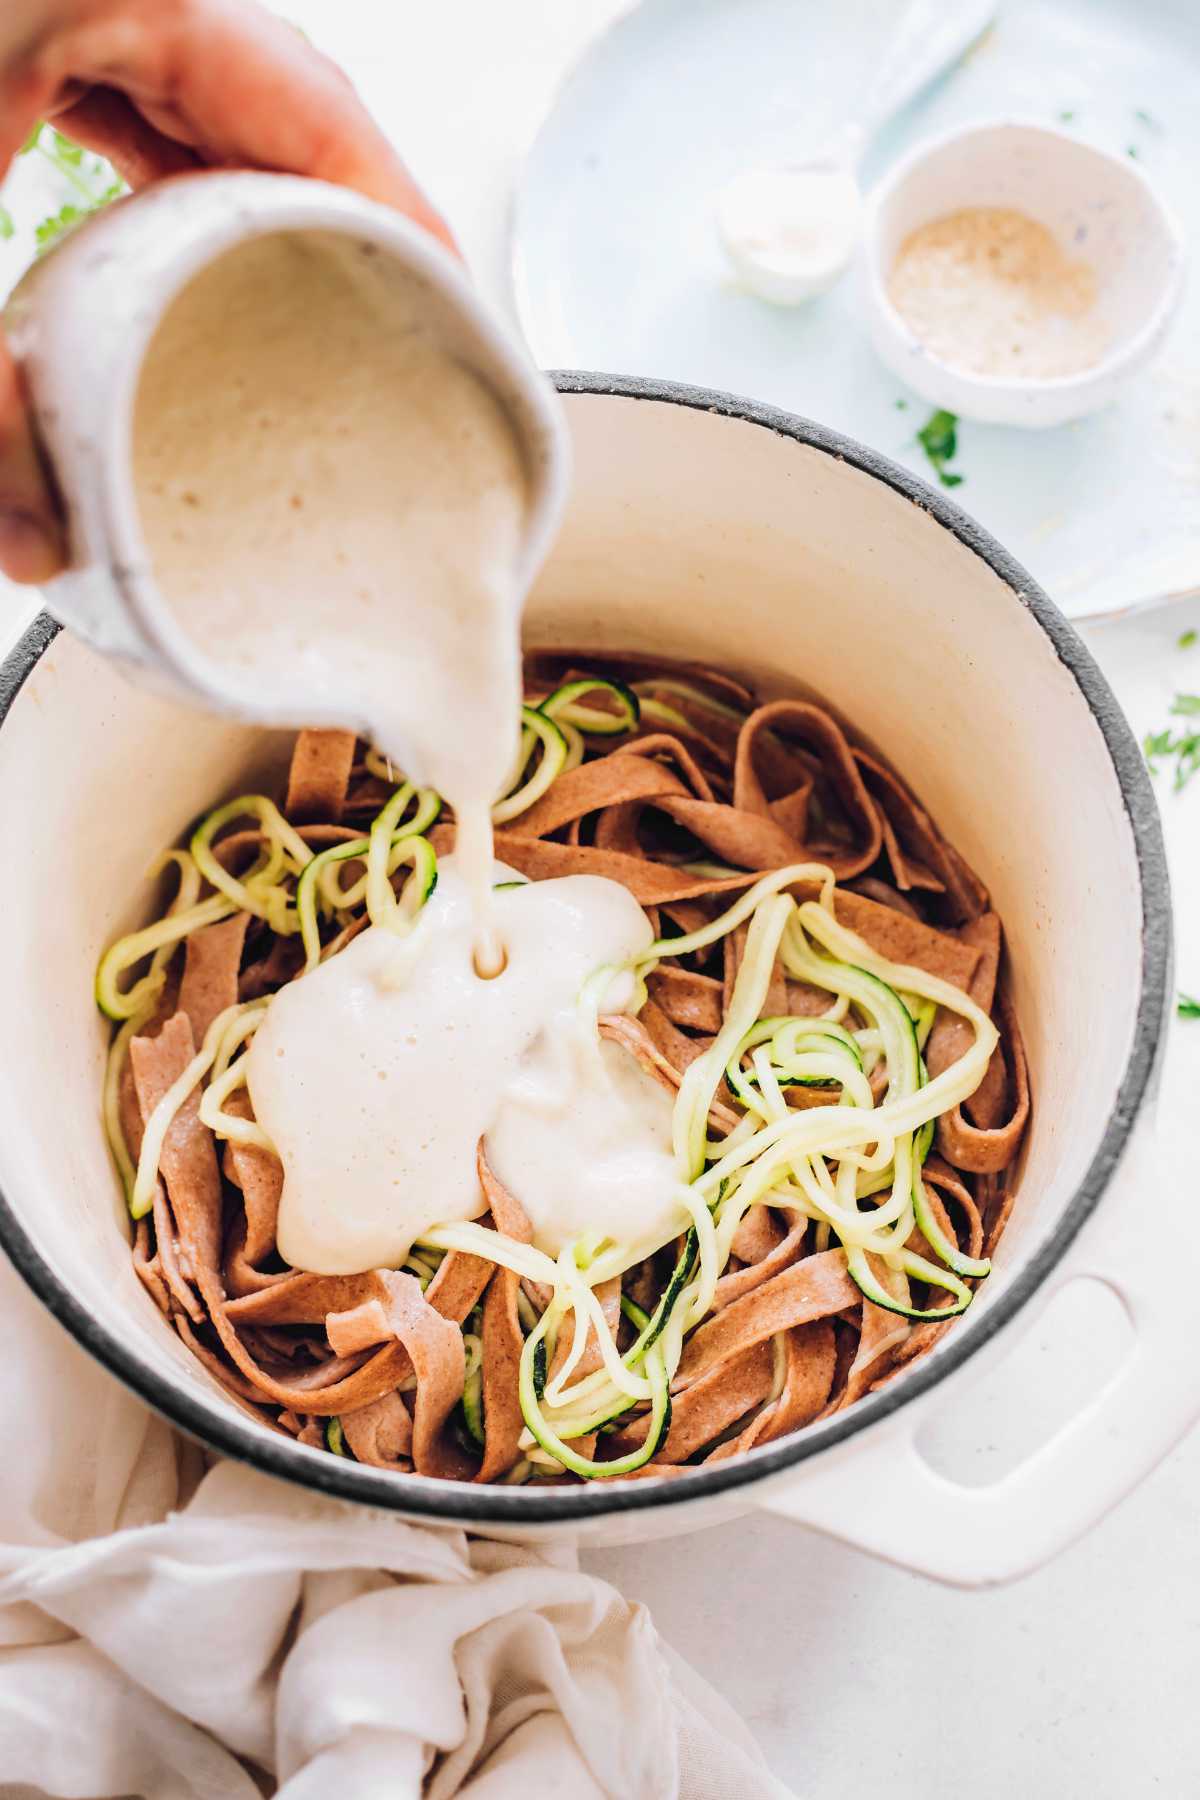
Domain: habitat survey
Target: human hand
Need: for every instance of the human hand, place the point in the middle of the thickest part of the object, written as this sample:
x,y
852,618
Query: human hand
x,y
158,87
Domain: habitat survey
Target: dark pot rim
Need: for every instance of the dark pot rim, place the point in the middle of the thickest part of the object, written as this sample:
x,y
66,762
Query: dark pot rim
x,y
227,1433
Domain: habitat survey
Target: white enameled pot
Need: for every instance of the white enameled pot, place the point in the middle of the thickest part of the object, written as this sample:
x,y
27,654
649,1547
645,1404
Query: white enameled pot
x,y
712,528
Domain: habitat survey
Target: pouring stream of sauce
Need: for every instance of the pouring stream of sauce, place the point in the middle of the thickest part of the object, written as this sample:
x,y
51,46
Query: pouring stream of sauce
x,y
334,506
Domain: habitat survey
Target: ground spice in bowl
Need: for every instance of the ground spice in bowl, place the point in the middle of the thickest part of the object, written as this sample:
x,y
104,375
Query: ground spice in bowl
x,y
991,291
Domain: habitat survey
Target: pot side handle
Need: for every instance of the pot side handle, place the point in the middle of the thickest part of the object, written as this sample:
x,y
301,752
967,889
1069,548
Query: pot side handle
x,y
877,1492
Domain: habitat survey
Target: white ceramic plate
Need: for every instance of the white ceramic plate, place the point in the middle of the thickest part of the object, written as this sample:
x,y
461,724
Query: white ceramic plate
x,y
617,266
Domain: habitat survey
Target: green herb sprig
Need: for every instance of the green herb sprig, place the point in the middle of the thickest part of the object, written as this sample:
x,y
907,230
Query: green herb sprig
x,y
1187,1008
93,181
90,180
1183,745
938,437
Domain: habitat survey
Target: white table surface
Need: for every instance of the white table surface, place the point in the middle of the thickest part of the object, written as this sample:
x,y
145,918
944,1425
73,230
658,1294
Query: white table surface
x,y
1081,1681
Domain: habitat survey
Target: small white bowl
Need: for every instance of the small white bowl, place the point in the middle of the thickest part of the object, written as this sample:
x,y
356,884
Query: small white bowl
x,y
1099,207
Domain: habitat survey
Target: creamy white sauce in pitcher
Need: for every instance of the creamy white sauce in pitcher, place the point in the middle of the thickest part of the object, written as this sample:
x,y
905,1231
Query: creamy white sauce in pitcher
x,y
335,507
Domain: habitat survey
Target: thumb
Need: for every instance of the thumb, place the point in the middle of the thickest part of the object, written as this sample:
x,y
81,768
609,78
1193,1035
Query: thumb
x,y
32,547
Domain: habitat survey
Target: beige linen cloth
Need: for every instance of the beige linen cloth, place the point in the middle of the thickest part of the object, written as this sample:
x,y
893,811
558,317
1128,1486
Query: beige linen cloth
x,y
163,1627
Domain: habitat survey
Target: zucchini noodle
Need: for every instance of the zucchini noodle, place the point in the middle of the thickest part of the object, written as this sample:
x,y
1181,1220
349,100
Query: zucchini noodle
x,y
519,795
404,846
159,1122
135,1007
227,1076
698,1090
557,726
260,894
114,1065
685,690
662,714
386,833
163,936
522,1259
565,706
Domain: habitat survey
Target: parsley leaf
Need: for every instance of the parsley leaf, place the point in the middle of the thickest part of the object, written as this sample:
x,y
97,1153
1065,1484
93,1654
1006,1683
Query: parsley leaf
x,y
65,151
1185,640
939,434
52,228
1184,746
938,437
7,227
72,213
1187,1008
91,181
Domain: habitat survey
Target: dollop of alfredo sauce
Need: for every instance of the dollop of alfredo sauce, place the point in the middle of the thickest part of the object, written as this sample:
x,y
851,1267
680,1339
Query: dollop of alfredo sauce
x,y
334,506
376,1075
